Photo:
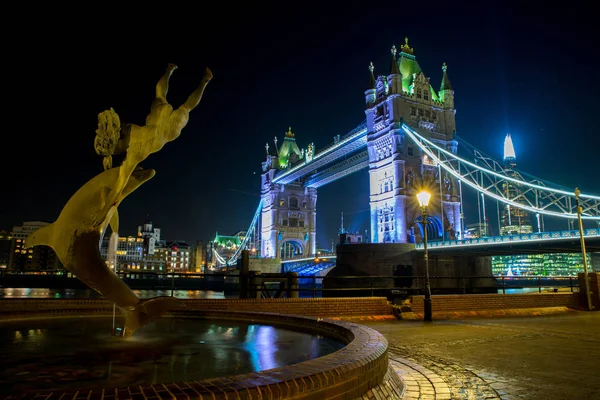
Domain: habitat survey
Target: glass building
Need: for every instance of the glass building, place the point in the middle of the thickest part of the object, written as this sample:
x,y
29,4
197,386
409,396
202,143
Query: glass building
x,y
514,221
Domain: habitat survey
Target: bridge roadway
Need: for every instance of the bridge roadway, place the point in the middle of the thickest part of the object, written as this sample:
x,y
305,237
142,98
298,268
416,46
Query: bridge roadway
x,y
533,243
351,149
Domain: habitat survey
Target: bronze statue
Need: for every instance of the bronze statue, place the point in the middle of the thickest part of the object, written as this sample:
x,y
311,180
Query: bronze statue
x,y
75,235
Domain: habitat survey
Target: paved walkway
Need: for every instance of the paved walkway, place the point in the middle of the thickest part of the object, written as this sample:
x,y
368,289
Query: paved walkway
x,y
542,357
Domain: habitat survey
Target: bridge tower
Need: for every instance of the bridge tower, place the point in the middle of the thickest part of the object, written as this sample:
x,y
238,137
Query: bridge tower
x,y
289,213
397,168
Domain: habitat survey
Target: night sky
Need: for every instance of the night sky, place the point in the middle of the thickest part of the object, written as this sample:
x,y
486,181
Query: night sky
x,y
531,71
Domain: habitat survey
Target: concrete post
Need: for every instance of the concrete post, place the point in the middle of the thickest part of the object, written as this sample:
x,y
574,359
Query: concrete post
x,y
255,281
244,267
292,284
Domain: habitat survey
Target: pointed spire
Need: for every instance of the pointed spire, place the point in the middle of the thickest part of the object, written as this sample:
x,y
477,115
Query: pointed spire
x,y
509,150
267,148
289,133
405,48
372,82
394,67
446,85
275,141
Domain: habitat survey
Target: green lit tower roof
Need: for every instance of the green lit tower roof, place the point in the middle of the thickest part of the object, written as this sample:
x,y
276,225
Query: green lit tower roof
x,y
408,65
288,149
227,241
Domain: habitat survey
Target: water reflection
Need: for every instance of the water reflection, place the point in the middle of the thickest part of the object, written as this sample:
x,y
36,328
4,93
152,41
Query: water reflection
x,y
44,293
80,353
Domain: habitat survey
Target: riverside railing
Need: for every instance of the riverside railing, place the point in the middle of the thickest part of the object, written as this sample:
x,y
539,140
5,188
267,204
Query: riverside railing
x,y
307,286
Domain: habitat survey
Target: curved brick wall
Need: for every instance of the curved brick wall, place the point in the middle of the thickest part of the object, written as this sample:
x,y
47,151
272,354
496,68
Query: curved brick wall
x,y
347,373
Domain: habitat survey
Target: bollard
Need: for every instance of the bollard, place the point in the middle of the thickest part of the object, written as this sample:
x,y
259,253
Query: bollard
x,y
244,267
255,281
292,284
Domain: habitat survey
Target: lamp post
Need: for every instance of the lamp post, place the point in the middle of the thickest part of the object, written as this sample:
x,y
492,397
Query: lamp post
x,y
583,255
423,198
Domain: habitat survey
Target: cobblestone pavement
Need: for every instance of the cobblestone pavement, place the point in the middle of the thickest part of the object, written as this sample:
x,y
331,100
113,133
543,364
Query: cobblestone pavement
x,y
551,357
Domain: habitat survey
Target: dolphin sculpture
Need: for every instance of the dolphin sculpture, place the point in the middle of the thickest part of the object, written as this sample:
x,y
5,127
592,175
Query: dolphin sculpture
x,y
76,234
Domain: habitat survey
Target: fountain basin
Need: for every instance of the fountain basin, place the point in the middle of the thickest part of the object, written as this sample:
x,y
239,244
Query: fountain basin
x,y
350,371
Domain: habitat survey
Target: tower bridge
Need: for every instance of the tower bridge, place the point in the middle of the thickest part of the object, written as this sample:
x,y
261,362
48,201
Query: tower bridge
x,y
408,142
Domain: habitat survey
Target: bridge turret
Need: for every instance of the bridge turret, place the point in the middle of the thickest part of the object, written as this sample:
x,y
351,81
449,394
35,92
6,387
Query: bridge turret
x,y
371,97
446,95
394,79
370,93
446,91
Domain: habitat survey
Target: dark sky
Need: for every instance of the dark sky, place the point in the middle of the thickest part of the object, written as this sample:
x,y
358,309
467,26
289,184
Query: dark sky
x,y
528,70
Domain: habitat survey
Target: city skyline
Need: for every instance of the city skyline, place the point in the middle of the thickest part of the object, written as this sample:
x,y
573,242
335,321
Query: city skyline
x,y
507,80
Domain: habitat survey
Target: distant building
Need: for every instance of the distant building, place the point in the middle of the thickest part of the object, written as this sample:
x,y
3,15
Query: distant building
x,y
349,237
129,252
198,257
513,220
222,248
477,230
178,259
5,246
146,252
151,237
558,264
39,259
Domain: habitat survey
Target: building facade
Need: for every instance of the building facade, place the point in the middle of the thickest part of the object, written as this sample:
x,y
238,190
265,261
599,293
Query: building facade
x,y
5,247
146,252
198,257
39,259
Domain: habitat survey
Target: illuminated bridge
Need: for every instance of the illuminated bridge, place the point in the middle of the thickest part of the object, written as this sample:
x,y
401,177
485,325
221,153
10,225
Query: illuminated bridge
x,y
408,142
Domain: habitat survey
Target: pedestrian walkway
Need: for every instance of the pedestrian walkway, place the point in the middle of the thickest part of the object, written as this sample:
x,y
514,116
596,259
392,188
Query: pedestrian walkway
x,y
545,357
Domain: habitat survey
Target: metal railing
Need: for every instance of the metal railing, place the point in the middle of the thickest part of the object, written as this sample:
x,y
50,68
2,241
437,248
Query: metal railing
x,y
315,286
526,237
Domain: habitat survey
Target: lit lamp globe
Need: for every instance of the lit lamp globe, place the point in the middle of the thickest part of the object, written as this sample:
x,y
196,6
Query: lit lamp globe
x,y
423,198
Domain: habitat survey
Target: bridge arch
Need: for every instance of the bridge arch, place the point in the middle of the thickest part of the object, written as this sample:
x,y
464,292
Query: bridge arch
x,y
435,228
290,248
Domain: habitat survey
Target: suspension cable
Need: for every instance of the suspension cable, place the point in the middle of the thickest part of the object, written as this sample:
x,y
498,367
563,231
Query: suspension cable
x,y
419,142
416,137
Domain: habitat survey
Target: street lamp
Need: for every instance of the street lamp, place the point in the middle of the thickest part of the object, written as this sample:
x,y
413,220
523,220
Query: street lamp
x,y
583,255
423,198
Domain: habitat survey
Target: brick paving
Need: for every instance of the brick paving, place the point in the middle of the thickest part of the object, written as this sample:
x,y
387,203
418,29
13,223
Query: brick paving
x,y
542,357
